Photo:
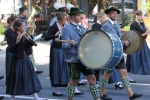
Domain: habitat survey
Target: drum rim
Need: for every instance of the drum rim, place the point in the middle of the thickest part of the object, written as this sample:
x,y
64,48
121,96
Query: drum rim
x,y
113,53
78,49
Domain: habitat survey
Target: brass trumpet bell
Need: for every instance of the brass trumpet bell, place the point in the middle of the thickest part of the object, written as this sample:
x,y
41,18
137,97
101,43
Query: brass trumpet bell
x,y
31,19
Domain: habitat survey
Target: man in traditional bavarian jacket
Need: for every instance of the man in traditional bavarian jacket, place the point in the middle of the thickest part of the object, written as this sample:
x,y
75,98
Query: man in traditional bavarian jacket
x,y
73,33
113,27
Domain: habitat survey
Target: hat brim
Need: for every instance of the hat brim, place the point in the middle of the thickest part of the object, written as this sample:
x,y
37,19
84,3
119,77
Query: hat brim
x,y
76,12
112,9
62,9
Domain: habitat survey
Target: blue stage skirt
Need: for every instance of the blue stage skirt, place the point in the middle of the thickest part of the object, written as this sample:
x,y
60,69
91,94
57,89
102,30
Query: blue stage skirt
x,y
8,59
22,79
140,61
59,69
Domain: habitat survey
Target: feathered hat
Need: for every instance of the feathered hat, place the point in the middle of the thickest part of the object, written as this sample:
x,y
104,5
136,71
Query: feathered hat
x,y
69,6
74,11
112,8
59,7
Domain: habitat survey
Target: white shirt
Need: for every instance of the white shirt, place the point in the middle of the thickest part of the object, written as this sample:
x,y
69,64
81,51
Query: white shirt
x,y
99,22
75,24
112,22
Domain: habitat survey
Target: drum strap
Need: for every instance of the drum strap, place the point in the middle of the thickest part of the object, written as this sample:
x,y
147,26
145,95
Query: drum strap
x,y
126,83
94,91
104,82
70,91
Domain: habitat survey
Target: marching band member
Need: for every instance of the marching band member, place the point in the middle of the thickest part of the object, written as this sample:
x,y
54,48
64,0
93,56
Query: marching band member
x,y
73,33
115,77
112,26
58,78
80,82
64,10
23,15
101,18
138,63
97,25
59,8
8,33
22,79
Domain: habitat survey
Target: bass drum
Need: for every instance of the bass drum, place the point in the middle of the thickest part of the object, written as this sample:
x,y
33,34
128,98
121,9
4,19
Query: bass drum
x,y
100,50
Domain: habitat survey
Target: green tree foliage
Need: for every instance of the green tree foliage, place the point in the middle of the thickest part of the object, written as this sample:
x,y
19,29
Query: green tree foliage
x,y
146,6
2,29
69,1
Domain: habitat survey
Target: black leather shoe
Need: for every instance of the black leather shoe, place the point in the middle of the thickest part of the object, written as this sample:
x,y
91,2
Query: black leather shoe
x,y
135,95
1,77
39,72
83,83
132,81
58,95
79,93
118,86
106,97
1,97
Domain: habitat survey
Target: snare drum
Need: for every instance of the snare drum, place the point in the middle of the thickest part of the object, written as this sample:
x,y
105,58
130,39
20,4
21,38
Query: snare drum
x,y
100,50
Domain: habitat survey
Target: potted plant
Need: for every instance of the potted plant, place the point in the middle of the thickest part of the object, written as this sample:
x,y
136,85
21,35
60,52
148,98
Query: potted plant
x,y
146,6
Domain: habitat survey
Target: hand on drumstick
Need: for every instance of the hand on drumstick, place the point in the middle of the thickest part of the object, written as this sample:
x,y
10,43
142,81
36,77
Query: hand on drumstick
x,y
126,43
57,34
72,42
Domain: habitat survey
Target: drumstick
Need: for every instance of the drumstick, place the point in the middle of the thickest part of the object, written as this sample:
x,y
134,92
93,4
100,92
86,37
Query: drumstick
x,y
58,40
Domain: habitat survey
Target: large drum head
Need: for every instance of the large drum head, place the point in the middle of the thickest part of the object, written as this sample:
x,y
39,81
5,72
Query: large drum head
x,y
95,49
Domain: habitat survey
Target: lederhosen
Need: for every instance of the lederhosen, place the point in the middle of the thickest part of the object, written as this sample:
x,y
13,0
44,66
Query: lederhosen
x,y
121,64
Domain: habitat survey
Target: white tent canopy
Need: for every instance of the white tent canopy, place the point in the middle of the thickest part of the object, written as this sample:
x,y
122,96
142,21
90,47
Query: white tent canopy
x,y
10,6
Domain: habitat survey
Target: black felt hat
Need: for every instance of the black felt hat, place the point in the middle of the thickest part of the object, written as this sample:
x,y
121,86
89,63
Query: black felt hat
x,y
22,9
62,9
74,10
110,9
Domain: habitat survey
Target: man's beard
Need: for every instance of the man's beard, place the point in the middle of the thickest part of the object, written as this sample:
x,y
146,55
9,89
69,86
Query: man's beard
x,y
114,19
